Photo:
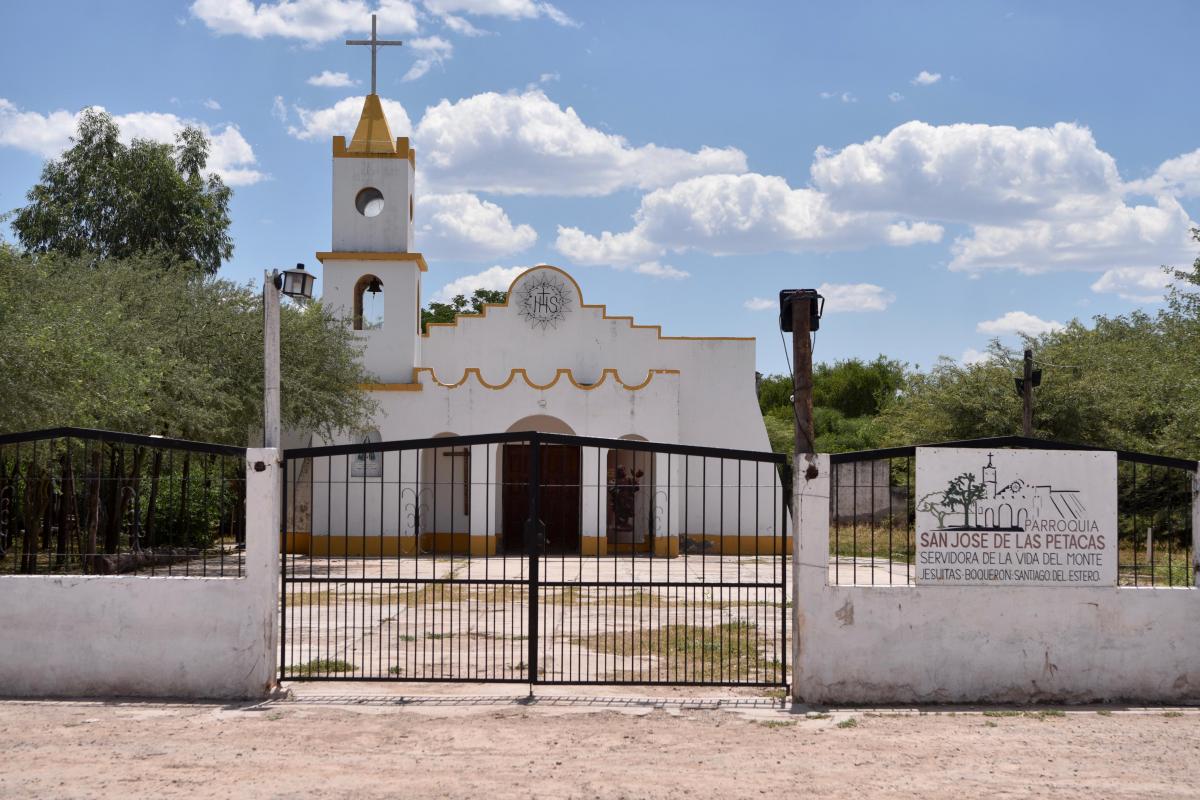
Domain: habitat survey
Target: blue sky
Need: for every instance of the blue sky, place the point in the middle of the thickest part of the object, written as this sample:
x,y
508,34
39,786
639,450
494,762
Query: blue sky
x,y
947,172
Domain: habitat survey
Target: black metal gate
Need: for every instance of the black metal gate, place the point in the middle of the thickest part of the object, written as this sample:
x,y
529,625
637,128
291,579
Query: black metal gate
x,y
636,562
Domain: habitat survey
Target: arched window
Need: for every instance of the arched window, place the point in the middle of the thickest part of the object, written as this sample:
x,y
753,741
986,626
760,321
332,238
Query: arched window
x,y
368,303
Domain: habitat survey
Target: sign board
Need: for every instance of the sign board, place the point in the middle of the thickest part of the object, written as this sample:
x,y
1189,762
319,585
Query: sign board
x,y
1016,517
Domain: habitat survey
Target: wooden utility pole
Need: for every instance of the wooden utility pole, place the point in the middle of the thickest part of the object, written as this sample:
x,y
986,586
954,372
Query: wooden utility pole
x,y
1027,396
802,326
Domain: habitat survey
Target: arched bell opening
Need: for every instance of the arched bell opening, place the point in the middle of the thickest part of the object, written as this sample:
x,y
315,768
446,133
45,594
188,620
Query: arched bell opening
x,y
368,303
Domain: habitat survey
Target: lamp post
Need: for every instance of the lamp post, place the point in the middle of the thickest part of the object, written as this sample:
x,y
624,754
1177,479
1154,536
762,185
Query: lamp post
x,y
295,283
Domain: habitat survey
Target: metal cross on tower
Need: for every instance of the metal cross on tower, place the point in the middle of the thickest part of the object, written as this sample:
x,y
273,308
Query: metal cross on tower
x,y
375,43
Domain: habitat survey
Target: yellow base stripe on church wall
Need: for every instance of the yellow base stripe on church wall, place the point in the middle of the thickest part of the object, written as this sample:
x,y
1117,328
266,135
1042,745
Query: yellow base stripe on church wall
x,y
429,544
734,545
302,543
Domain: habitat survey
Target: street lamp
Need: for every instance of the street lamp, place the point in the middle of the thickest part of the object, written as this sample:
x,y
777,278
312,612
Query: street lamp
x,y
295,283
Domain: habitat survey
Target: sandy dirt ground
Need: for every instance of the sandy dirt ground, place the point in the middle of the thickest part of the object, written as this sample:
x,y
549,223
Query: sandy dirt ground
x,y
370,741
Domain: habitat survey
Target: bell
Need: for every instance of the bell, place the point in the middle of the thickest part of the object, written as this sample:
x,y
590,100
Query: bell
x,y
375,286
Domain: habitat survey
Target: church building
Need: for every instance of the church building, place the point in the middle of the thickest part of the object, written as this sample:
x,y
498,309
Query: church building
x,y
543,360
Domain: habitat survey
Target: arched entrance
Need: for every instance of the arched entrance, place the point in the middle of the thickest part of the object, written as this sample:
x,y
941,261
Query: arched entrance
x,y
560,497
629,499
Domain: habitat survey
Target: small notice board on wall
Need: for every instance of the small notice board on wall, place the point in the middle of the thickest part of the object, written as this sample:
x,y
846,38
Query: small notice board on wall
x,y
1016,517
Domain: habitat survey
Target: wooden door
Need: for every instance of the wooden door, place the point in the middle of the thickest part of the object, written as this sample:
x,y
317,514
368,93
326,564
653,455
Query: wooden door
x,y
560,497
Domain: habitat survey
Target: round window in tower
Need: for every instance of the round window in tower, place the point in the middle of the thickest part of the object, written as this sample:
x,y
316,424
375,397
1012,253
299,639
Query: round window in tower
x,y
369,202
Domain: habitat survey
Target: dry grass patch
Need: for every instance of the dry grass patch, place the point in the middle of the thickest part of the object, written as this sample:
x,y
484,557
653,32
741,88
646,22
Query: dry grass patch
x,y
731,651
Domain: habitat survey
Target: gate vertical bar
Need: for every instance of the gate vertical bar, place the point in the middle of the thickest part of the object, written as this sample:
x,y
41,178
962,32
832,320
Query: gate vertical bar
x,y
532,543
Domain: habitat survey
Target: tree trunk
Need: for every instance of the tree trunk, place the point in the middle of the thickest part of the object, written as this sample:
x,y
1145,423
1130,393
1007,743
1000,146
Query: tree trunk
x,y
151,504
36,493
181,528
133,489
112,523
64,516
93,511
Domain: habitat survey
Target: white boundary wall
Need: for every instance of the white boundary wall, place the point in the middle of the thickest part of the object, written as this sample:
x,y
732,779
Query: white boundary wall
x,y
92,635
949,644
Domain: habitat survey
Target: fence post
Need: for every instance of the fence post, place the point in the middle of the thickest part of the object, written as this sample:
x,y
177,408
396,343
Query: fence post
x,y
810,549
1196,526
264,507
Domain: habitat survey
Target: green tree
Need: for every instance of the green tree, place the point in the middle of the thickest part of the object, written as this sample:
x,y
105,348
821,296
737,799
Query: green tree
x,y
106,200
963,491
847,397
100,345
461,304
857,388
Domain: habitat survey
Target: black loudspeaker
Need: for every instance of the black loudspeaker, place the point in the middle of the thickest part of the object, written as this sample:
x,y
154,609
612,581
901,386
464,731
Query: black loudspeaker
x,y
788,296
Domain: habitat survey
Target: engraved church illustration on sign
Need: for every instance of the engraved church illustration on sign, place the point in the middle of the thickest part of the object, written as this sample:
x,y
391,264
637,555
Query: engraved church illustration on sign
x,y
544,360
985,503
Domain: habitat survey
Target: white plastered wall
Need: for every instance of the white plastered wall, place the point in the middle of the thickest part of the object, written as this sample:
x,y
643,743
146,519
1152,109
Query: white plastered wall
x,y
92,635
943,644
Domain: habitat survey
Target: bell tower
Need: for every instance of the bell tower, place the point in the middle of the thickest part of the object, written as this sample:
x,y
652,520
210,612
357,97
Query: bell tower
x,y
372,277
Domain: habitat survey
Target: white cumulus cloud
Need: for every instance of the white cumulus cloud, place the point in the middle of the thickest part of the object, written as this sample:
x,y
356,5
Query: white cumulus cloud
x,y
47,135
431,50
1116,237
1015,322
1035,199
732,214
1137,284
971,173
212,105
926,78
523,144
1178,176
972,356
508,9
495,278
312,21
330,79
657,270
528,144
461,226
761,304
855,297
341,119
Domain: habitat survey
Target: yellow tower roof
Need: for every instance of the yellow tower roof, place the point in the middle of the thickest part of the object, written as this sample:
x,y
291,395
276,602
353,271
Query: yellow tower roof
x,y
372,134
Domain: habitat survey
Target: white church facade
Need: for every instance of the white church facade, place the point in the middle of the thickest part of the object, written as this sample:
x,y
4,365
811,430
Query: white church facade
x,y
544,360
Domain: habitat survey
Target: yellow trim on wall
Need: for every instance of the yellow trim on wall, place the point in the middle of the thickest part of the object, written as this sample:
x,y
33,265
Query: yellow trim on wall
x,y
402,151
603,313
558,375
296,543
748,545
447,543
593,546
347,255
391,387
430,543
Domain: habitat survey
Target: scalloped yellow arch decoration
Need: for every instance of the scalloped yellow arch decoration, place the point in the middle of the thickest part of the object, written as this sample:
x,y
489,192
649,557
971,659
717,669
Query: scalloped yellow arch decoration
x,y
605,375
